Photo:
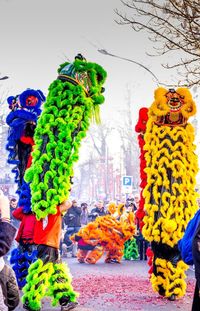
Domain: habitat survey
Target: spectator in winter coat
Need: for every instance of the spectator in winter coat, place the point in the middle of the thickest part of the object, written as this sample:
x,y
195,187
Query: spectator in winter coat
x,y
13,206
84,214
7,231
9,286
99,210
3,307
7,279
72,221
196,260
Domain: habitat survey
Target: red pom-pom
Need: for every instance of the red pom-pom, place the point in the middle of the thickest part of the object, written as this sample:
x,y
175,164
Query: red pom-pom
x,y
142,121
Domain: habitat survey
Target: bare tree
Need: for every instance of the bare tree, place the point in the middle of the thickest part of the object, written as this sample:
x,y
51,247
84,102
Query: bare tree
x,y
99,136
172,25
129,144
95,177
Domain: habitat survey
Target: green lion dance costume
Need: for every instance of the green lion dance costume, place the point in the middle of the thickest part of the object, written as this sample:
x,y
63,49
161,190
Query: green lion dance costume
x,y
73,100
131,249
170,198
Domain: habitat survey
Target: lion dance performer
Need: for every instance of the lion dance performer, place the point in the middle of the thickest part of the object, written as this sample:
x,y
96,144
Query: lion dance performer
x,y
22,120
73,100
170,198
131,249
107,234
25,110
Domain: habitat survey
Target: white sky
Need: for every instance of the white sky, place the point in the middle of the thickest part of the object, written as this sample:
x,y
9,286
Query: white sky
x,y
36,36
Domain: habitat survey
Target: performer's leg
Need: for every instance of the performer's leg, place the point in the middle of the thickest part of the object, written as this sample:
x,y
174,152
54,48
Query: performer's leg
x,y
141,249
38,277
114,256
146,245
81,255
169,279
37,284
19,265
94,255
60,288
67,235
74,249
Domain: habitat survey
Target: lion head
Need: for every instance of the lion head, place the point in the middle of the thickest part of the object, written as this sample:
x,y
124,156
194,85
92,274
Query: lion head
x,y
172,107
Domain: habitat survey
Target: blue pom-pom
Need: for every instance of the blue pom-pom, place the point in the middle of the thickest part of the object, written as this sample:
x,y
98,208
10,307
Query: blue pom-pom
x,y
31,99
10,100
25,198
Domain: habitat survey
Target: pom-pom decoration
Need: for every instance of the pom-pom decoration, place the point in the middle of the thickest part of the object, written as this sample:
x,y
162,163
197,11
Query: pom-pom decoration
x,y
170,197
73,100
140,128
22,121
108,234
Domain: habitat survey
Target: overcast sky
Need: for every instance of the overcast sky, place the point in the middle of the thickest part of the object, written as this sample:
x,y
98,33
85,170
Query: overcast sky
x,y
36,36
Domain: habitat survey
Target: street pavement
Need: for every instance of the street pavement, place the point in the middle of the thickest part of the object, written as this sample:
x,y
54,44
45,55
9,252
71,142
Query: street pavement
x,y
119,287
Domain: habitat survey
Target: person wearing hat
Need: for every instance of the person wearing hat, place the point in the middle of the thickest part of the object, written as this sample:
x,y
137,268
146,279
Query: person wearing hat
x,y
73,223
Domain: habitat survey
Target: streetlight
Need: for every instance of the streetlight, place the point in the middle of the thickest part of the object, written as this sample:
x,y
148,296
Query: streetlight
x,y
4,78
105,52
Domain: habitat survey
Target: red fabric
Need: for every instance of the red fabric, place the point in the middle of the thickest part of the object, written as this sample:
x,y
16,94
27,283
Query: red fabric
x,y
29,162
48,230
26,228
142,121
141,128
150,255
143,176
18,213
81,242
29,141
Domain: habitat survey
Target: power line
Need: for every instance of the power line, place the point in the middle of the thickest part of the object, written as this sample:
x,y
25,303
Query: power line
x,y
105,52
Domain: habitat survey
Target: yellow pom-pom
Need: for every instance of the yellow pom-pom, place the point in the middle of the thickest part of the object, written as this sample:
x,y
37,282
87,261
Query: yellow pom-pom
x,y
169,225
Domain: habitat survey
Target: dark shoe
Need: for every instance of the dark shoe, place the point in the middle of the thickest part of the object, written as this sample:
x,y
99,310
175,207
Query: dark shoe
x,y
26,307
172,297
161,291
69,306
114,261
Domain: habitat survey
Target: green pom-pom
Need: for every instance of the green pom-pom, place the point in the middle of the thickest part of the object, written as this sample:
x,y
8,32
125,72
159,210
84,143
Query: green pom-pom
x,y
61,127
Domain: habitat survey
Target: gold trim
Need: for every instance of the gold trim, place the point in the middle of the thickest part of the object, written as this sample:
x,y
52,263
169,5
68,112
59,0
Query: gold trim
x,y
74,80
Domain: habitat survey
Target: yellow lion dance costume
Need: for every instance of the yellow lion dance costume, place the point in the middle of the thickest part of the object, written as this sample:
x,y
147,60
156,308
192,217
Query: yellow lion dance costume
x,y
170,198
106,234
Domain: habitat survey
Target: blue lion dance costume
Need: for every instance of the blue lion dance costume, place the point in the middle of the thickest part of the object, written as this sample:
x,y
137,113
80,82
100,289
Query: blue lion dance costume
x,y
25,110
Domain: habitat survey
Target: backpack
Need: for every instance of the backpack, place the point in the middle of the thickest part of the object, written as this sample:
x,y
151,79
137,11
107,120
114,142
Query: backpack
x,y
185,244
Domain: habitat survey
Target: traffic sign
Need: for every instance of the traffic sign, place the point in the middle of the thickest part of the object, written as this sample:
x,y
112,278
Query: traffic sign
x,y
127,181
127,184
